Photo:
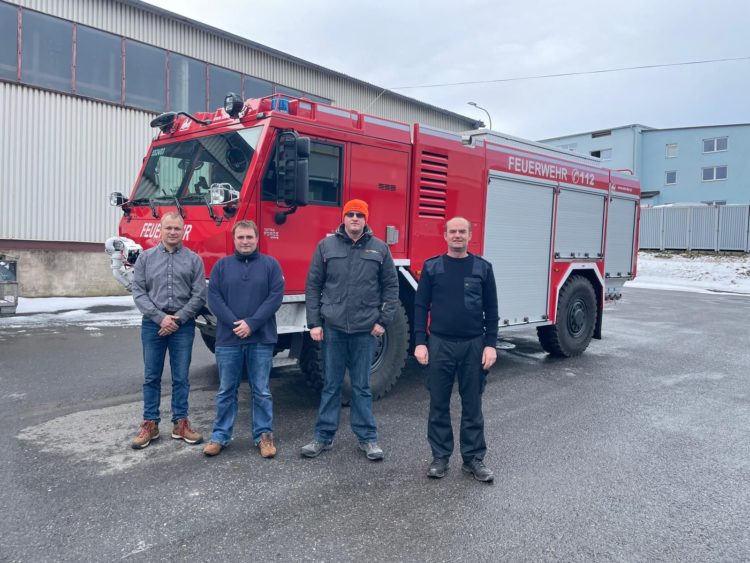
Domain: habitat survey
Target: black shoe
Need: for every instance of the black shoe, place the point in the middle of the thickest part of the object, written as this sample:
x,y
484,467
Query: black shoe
x,y
438,468
480,472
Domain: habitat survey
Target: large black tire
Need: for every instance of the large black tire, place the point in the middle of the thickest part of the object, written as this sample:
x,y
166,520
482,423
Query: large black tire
x,y
391,351
209,341
576,320
311,362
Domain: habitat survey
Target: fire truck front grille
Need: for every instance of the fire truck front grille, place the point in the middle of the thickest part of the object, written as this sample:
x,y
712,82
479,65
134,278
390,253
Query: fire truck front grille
x,y
433,183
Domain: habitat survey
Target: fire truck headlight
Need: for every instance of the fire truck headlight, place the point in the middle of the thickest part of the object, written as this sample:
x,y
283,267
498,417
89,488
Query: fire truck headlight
x,y
165,121
233,104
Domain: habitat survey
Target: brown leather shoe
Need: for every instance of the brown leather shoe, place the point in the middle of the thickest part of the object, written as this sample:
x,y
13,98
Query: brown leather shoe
x,y
267,449
182,431
148,431
213,448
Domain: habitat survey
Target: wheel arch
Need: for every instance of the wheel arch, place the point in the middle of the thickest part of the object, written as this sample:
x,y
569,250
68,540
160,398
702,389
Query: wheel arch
x,y
591,273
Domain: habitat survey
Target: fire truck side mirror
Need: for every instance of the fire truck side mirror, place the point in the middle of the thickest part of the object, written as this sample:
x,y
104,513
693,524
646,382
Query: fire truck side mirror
x,y
116,199
292,174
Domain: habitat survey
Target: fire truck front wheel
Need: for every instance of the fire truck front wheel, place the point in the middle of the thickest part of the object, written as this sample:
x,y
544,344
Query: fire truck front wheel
x,y
391,350
576,320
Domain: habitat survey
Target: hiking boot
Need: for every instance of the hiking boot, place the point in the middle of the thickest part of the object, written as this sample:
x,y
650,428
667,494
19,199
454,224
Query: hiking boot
x,y
314,449
438,468
212,448
267,449
182,431
148,431
480,472
372,450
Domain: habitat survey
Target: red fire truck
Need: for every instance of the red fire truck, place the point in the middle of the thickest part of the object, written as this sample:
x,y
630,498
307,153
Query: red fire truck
x,y
560,230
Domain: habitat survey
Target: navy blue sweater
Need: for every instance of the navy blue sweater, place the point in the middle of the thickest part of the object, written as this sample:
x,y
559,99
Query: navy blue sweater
x,y
460,296
250,288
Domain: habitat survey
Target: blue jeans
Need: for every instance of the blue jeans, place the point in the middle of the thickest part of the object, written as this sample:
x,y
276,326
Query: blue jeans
x,y
341,351
180,346
255,361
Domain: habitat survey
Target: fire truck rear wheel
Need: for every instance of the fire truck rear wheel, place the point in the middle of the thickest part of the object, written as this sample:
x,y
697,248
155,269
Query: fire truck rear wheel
x,y
209,341
391,350
576,320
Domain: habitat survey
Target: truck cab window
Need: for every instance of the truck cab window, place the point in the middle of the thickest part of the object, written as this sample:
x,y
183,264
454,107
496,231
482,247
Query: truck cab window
x,y
186,169
325,169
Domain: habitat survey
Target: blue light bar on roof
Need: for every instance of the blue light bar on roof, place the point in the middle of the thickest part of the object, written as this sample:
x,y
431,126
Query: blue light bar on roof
x,y
280,104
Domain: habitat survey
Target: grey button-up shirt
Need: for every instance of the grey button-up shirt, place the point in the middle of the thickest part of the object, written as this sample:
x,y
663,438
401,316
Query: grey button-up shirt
x,y
169,281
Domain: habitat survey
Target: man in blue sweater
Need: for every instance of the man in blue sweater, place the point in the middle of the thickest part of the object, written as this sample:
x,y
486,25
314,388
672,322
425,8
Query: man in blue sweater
x,y
244,293
457,290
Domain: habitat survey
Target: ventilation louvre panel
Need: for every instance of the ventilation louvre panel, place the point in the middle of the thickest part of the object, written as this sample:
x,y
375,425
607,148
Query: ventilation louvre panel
x,y
433,185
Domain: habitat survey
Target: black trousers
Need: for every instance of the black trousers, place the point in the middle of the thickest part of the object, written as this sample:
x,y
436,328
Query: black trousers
x,y
448,359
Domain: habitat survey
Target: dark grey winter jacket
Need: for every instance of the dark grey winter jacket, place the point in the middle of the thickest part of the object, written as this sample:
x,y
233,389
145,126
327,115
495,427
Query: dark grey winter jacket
x,y
351,285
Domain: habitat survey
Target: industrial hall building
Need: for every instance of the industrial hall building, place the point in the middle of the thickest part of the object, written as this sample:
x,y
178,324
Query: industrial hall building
x,y
79,84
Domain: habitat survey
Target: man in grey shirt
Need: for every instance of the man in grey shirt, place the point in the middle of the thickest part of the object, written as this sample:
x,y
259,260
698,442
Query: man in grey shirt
x,y
169,288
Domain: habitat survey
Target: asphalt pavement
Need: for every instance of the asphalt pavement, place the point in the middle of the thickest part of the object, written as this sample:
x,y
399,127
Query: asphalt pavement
x,y
637,450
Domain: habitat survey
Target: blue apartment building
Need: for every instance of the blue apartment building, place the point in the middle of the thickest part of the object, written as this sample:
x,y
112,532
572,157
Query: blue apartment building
x,y
704,164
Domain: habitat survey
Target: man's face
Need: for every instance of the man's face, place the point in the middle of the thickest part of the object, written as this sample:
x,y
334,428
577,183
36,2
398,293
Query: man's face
x,y
354,223
172,229
457,235
245,240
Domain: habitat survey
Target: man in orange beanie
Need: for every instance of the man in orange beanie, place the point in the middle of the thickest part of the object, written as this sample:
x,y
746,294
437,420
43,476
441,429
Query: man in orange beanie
x,y
351,296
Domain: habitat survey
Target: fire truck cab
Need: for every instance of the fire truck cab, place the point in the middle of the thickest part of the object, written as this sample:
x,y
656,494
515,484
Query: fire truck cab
x,y
559,229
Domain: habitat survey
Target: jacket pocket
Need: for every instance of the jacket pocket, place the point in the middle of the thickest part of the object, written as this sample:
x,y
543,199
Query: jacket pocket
x,y
473,294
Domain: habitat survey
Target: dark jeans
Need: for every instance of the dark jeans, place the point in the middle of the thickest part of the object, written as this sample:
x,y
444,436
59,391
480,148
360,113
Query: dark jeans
x,y
180,346
448,359
342,351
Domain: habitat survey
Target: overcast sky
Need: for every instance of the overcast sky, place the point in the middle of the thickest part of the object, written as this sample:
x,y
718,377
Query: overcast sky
x,y
394,43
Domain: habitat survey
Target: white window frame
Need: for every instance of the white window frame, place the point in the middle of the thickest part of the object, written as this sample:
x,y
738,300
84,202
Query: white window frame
x,y
666,177
715,168
676,150
715,141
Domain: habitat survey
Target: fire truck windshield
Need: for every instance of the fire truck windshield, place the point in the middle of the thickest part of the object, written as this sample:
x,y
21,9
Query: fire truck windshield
x,y
186,169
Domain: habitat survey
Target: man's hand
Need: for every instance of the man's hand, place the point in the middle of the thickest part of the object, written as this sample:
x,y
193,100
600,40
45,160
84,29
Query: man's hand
x,y
422,355
168,325
317,334
241,329
489,357
377,330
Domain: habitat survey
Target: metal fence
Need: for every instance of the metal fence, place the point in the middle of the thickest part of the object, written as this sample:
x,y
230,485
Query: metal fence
x,y
699,227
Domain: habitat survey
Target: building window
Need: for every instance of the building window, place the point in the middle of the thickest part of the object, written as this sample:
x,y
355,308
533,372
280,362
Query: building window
x,y
257,88
717,144
279,89
713,173
47,52
319,99
604,154
8,41
145,76
597,134
220,82
670,177
187,84
98,64
569,147
672,150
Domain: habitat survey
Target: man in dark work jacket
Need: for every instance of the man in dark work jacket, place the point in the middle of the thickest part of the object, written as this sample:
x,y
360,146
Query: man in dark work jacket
x,y
458,291
244,293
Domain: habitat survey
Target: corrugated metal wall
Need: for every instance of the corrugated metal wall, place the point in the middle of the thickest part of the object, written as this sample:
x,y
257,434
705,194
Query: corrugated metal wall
x,y
61,157
721,227
180,37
